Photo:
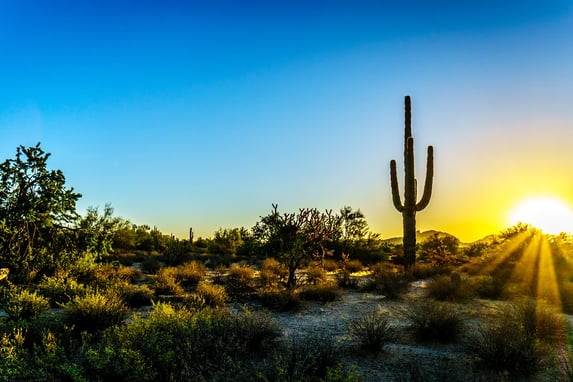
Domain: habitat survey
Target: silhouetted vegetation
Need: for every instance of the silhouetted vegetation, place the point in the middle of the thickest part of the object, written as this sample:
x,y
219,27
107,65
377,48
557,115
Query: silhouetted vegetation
x,y
95,297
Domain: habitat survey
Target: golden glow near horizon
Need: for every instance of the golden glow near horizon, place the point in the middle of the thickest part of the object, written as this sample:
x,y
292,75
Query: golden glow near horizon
x,y
550,214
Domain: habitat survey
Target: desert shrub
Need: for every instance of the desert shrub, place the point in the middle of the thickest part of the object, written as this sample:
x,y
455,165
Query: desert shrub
x,y
489,287
106,275
315,275
346,280
23,304
513,339
450,288
387,280
60,290
372,331
136,296
240,280
272,273
151,264
353,266
322,293
95,311
109,363
211,294
434,321
166,283
183,345
190,273
424,271
566,291
308,358
330,265
281,300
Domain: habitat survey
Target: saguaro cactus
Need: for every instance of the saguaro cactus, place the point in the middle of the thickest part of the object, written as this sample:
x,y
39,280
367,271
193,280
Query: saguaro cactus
x,y
410,206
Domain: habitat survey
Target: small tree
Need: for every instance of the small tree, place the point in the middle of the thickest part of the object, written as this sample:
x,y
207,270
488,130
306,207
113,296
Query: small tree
x,y
37,214
296,238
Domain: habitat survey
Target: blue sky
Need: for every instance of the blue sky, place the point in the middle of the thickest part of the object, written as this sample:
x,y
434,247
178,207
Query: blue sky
x,y
204,114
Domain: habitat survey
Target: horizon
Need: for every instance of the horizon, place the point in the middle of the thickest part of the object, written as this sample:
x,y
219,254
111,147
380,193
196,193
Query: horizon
x,y
185,115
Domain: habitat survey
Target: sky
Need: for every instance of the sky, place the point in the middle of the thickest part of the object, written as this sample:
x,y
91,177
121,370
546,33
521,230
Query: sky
x,y
203,114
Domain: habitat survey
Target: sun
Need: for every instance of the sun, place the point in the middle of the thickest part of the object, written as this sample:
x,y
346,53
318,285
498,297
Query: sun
x,y
549,214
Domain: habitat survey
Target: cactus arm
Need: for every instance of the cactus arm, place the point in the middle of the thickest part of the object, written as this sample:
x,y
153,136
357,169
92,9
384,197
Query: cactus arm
x,y
429,178
395,188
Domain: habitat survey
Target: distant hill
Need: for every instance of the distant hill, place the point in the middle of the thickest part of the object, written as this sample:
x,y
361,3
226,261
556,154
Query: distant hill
x,y
420,236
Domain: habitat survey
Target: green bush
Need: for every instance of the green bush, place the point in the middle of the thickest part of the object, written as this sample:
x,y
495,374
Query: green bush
x,y
95,311
434,321
25,305
372,331
60,290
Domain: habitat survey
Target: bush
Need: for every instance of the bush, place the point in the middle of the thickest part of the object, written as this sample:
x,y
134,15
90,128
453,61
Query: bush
x,y
60,290
315,275
512,340
387,280
272,273
489,287
437,321
450,288
372,331
95,311
281,300
166,283
353,266
136,296
211,295
309,358
322,293
240,280
190,273
423,271
25,305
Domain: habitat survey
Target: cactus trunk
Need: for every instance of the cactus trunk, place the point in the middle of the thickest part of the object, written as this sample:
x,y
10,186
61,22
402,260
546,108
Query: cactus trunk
x,y
410,206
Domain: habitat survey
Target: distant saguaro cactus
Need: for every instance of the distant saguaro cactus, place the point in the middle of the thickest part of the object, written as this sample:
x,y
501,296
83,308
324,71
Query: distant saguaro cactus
x,y
410,206
190,235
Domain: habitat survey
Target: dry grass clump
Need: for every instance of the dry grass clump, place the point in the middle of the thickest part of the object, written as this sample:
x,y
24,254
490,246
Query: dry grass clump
x,y
211,295
322,293
272,273
516,340
190,274
283,300
435,321
353,266
240,280
372,331
166,283
388,280
450,288
315,275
